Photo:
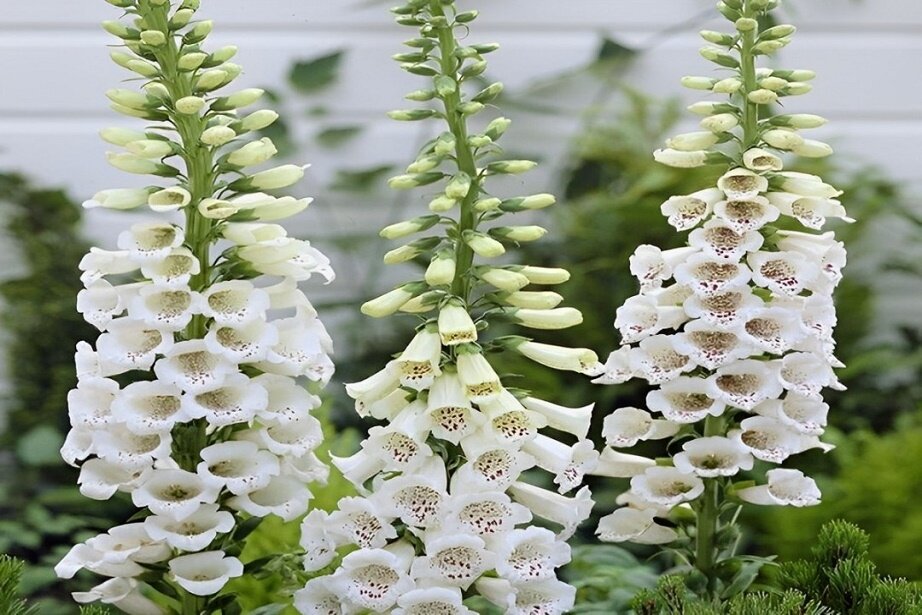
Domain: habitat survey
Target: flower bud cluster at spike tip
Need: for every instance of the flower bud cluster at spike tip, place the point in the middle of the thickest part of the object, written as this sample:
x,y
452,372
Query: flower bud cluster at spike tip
x,y
189,400
733,331
444,510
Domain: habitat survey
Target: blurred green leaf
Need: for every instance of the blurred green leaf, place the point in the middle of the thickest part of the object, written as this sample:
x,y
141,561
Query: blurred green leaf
x,y
40,446
312,75
334,136
360,180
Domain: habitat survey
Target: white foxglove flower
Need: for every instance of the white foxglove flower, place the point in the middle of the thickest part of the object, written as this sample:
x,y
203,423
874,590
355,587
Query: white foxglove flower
x,y
319,597
686,212
529,555
441,600
419,362
236,400
319,546
783,273
132,451
723,310
456,326
657,360
627,426
773,329
707,276
709,346
490,466
450,414
453,560
746,384
771,440
361,522
743,215
248,343
811,211
175,494
150,241
174,270
806,374
204,574
293,439
667,486
569,464
131,344
631,524
99,303
784,488
615,464
123,593
164,308
640,317
190,366
742,184
651,266
195,532
283,497
686,400
372,579
575,421
485,513
302,349
580,360
713,456
98,263
90,404
724,240
804,415
564,511
100,479
618,367
238,466
234,303
286,402
417,499
478,377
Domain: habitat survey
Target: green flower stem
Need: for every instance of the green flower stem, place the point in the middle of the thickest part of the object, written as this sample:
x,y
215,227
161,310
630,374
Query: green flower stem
x,y
464,256
750,119
192,604
708,517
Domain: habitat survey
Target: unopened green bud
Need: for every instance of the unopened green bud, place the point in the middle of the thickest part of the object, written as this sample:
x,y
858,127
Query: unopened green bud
x,y
762,97
518,233
698,83
233,71
459,186
544,275
409,227
190,105
191,61
721,58
121,58
797,89
117,28
258,120
770,47
775,84
181,18
485,47
416,56
718,38
121,136
157,90
503,279
243,98
511,167
411,115
271,179
190,4
712,108
746,24
466,17
798,120
780,31
441,204
254,152
470,108
441,270
199,32
445,85
402,254
731,85
728,12
796,75
122,4
473,70
210,80
423,70
478,141
497,128
218,135
721,122
487,204
482,245
223,54
150,148
488,93
405,182
420,95
131,98
154,38
444,145
143,68
424,164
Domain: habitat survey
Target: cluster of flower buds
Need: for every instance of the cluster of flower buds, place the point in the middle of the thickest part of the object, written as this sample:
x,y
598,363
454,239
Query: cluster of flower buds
x,y
189,401
739,346
443,508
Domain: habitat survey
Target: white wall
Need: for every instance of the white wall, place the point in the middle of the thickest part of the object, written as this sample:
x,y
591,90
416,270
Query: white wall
x,y
54,66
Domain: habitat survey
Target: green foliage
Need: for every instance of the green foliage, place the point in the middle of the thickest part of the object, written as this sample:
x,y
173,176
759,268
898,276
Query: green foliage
x,y
317,73
10,601
606,577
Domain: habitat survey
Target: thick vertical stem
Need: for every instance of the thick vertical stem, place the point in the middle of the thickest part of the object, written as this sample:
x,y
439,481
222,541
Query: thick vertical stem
x,y
708,518
750,119
464,256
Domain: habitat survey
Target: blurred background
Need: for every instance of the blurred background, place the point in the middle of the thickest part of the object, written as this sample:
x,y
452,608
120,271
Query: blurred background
x,y
592,87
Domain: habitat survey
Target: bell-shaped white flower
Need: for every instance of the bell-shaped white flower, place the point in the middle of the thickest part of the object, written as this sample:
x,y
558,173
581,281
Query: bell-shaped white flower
x,y
713,456
651,266
453,560
742,215
667,486
575,421
238,466
708,276
100,479
580,360
204,574
569,464
375,387
489,466
478,377
150,241
417,498
784,488
545,596
724,240
90,405
627,426
419,362
759,160
286,402
685,212
802,414
248,343
236,400
99,303
131,542
618,367
455,325
811,211
441,600
723,310
234,303
483,513
686,400
131,344
173,493
362,522
174,270
449,413
530,554
615,464
284,497
564,511
657,360
293,439
302,349
783,273
634,525
164,308
771,440
372,579
117,445
195,532
746,384
773,329
640,317
398,449
123,593
190,366
710,347
740,184
149,407
78,445
98,263
806,374
316,541
319,597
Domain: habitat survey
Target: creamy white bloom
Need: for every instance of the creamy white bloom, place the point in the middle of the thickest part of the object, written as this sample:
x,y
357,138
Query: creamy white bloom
x,y
580,360
742,184
709,346
131,344
575,421
641,316
807,374
802,414
771,440
432,600
174,270
295,438
784,488
618,367
372,579
667,486
773,329
302,349
484,513
449,413
686,400
164,308
811,211
416,499
190,366
783,273
530,554
657,359
453,560
100,479
236,400
713,456
568,463
318,543
234,303
564,511
708,276
117,445
99,303
238,466
319,597
123,593
685,212
745,384
746,214
90,404
98,263
204,574
193,533
725,240
489,466
419,363
651,266
627,426
631,524
615,464
150,241
480,381
286,401
362,522
284,497
723,310
248,343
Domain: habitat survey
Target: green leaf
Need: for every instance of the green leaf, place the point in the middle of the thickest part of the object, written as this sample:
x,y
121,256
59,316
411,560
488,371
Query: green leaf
x,y
313,75
40,446
360,180
611,49
334,136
